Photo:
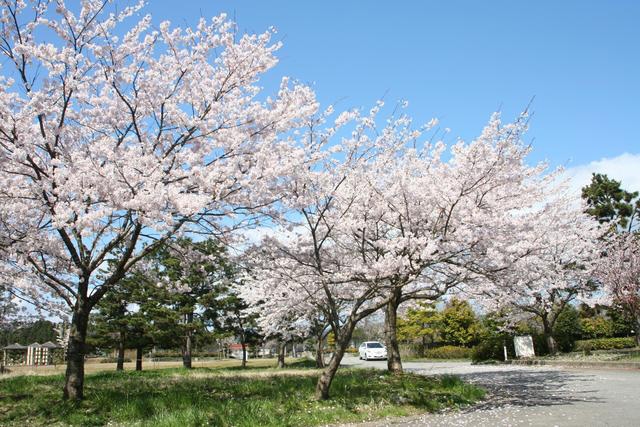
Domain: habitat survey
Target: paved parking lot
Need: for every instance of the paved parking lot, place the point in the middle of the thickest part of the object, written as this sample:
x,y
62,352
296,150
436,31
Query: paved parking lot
x,y
532,396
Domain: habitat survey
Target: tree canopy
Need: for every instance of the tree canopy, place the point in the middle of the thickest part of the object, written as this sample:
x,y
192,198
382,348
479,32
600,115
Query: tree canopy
x,y
609,203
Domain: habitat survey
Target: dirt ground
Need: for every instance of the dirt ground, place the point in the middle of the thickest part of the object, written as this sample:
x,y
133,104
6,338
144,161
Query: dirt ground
x,y
92,366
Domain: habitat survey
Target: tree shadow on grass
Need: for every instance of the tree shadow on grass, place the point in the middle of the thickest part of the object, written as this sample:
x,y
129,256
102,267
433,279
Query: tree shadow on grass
x,y
174,395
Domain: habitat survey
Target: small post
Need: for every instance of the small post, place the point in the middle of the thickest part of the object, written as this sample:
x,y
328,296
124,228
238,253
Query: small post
x,y
504,346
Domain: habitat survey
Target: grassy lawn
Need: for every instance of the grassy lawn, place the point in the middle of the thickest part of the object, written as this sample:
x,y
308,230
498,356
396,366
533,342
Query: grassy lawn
x,y
227,397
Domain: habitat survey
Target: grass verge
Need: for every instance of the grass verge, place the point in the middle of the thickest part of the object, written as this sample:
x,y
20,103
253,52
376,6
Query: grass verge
x,y
227,397
616,355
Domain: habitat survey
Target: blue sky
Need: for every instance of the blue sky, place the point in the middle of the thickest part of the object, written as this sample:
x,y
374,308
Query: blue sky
x,y
461,60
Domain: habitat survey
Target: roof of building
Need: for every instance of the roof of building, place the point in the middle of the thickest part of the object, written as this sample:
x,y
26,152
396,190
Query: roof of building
x,y
50,345
15,346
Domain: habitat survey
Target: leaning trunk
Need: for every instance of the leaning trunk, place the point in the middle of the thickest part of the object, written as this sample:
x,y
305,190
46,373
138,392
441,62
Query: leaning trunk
x,y
120,362
282,349
186,351
324,382
319,354
139,359
638,331
394,362
74,377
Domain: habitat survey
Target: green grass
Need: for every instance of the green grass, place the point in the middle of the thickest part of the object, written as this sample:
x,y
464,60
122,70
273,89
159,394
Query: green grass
x,y
615,355
631,357
227,397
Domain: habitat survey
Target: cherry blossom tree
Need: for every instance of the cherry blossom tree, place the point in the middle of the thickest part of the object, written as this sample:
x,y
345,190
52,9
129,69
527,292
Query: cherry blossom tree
x,y
447,223
434,216
114,139
309,268
557,271
390,219
619,273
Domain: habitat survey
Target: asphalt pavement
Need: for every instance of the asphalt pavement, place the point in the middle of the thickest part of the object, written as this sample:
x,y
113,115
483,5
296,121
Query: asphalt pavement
x,y
530,396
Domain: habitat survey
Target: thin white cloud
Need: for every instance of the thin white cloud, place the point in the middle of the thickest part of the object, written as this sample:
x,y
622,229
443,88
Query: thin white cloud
x,y
624,168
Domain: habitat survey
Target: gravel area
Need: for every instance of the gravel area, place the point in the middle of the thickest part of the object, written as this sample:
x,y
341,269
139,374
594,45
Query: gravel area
x,y
531,396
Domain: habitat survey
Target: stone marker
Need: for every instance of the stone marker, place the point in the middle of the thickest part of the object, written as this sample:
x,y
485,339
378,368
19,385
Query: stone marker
x,y
524,346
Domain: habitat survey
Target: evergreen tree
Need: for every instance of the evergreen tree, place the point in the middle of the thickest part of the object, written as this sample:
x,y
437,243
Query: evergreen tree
x,y
226,313
26,333
199,277
567,328
420,326
611,204
458,324
134,315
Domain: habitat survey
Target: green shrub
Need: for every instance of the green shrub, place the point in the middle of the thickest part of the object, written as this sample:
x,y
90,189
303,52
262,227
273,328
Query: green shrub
x,y
540,344
448,352
486,350
605,344
114,360
493,349
567,329
597,327
169,354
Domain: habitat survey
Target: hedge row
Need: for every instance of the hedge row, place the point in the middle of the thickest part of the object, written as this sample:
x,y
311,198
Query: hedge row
x,y
605,344
493,349
448,352
178,355
114,360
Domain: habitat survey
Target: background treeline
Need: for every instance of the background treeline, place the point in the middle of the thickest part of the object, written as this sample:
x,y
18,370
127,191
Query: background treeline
x,y
25,333
454,331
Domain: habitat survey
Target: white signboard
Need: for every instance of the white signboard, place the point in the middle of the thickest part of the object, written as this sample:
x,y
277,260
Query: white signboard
x,y
524,346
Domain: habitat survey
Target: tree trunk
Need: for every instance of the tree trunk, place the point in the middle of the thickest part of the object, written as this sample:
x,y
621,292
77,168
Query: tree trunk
x,y
139,359
282,348
319,353
186,351
120,362
74,376
324,382
637,329
394,361
244,354
548,336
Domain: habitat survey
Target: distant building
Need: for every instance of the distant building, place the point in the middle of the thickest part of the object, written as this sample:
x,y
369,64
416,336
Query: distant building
x,y
34,354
